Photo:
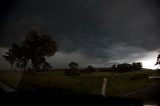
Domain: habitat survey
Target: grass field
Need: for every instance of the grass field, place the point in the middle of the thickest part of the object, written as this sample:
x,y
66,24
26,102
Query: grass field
x,y
118,83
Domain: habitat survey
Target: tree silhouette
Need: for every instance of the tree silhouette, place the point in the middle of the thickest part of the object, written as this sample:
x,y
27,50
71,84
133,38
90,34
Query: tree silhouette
x,y
137,66
46,66
158,62
114,67
125,67
73,69
89,69
10,58
38,47
158,59
34,48
73,66
20,55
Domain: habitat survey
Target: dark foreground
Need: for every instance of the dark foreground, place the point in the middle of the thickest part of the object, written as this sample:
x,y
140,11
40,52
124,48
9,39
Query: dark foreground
x,y
149,95
39,97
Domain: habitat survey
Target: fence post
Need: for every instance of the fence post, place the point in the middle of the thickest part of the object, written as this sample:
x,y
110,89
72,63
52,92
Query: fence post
x,y
104,84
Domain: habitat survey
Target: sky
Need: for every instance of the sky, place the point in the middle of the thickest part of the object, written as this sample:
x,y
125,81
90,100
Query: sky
x,y
90,32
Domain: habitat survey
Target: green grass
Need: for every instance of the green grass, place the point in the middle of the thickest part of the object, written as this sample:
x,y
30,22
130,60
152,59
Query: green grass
x,y
52,80
118,83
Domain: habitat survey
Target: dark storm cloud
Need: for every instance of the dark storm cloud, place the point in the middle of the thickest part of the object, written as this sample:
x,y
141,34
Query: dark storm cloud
x,y
95,28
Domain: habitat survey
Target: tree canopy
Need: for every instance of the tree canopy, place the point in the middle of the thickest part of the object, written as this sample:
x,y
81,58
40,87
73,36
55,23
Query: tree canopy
x,y
34,49
158,59
73,69
127,67
73,65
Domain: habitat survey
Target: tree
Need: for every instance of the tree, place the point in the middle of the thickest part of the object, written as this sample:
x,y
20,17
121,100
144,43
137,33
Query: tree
x,y
38,47
34,48
16,54
73,69
123,67
10,58
46,66
114,67
19,52
158,62
158,59
89,69
73,66
137,66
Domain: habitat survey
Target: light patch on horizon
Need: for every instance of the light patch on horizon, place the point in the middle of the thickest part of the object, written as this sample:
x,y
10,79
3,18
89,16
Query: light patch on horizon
x,y
149,60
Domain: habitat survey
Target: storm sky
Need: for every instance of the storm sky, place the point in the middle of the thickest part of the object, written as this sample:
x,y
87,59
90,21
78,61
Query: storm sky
x,y
91,32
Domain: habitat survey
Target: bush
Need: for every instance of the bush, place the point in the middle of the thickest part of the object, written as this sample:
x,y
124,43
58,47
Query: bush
x,y
88,70
69,72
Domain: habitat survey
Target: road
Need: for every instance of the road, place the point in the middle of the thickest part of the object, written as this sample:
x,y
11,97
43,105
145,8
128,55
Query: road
x,y
149,95
5,87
